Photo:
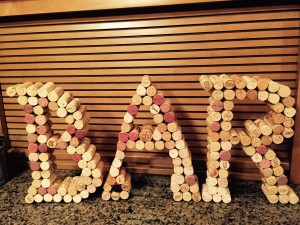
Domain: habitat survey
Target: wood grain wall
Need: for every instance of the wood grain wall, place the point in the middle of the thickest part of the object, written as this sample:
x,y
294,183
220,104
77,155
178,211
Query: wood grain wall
x,y
101,60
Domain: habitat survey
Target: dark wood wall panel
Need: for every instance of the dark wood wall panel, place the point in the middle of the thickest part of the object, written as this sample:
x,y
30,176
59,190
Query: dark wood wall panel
x,y
101,61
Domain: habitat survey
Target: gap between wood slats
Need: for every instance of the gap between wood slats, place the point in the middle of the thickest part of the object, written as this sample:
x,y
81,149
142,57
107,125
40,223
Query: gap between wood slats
x,y
158,22
163,15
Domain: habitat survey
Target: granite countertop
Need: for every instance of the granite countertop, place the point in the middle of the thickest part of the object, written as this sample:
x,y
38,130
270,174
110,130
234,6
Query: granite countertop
x,y
150,203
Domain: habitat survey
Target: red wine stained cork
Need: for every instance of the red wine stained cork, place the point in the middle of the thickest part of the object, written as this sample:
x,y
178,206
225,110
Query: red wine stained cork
x,y
132,109
158,99
42,129
43,148
32,138
61,144
42,191
225,155
214,126
121,146
289,101
166,106
252,94
217,106
43,102
35,166
76,157
29,118
28,108
53,106
262,149
191,180
134,134
81,133
71,129
264,163
32,147
123,136
282,180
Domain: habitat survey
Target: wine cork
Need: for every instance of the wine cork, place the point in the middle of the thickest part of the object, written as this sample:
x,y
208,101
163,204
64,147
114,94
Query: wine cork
x,y
11,91
38,198
234,137
46,89
270,154
226,126
289,101
218,95
79,114
53,106
215,116
288,122
141,90
28,108
55,94
252,128
156,135
229,94
239,82
43,102
214,136
278,107
73,105
277,138
244,138
63,101
166,136
130,144
151,91
146,132
80,124
228,106
252,94
227,115
217,106
249,150
166,106
294,199
205,82
264,127
158,118
288,132
136,100
123,136
132,109
214,126
225,135
273,86
263,95
128,118
98,171
146,81
61,144
159,145
262,83
46,182
266,140
121,146
273,98
52,141
217,82
22,100
43,120
126,127
228,81
149,145
33,101
22,88
251,82
83,146
147,100
240,94
290,112
278,118
158,99
52,190
81,133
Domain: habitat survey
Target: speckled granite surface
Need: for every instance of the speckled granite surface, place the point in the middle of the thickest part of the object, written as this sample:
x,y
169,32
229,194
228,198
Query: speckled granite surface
x,y
150,203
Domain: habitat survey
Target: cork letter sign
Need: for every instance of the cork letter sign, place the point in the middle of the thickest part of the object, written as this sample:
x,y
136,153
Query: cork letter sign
x,y
255,138
166,134
38,101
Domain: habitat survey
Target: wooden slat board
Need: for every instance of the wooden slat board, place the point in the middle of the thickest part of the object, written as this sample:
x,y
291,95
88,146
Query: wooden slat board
x,y
101,61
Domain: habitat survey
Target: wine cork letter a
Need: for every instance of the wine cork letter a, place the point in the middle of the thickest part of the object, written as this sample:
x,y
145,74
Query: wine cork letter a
x,y
39,101
255,138
165,135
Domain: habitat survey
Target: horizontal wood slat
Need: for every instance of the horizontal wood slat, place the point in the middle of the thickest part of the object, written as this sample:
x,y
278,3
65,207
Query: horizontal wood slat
x,y
101,61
